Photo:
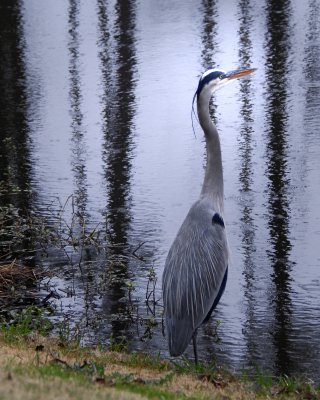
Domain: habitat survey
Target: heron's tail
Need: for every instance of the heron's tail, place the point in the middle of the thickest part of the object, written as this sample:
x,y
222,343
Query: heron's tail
x,y
179,335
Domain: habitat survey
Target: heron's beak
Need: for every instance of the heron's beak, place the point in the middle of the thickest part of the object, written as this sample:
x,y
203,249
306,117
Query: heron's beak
x,y
238,74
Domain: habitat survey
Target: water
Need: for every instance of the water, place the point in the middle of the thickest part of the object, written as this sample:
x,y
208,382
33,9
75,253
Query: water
x,y
95,104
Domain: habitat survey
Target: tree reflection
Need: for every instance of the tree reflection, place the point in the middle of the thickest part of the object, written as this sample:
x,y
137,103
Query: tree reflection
x,y
277,68
209,33
78,149
15,164
15,154
80,197
209,42
118,66
246,175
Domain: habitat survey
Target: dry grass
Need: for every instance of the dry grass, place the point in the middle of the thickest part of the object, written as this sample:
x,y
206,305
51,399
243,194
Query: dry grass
x,y
19,378
15,277
17,387
39,368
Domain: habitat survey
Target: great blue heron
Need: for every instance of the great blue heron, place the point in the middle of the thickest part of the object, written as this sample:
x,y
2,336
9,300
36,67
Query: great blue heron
x,y
196,268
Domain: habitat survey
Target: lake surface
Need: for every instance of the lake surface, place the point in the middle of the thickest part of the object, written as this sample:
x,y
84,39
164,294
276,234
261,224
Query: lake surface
x,y
96,140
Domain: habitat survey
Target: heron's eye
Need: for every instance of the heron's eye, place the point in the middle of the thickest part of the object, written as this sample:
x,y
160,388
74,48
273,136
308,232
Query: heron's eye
x,y
222,76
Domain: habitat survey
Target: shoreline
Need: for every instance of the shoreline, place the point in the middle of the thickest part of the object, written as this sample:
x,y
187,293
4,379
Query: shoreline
x,y
34,366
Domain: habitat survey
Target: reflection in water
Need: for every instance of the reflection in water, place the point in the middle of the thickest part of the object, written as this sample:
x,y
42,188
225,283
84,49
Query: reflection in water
x,y
78,162
79,199
278,43
118,116
209,33
308,319
246,176
209,43
312,65
15,165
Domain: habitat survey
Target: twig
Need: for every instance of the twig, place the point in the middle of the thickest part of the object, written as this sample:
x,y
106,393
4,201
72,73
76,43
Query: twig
x,y
134,253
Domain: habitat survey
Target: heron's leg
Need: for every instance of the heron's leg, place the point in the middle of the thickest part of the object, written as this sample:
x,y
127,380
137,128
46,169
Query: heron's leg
x,y
194,342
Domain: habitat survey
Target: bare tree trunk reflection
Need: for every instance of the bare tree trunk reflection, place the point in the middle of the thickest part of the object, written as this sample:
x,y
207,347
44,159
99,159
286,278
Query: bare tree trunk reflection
x,y
246,178
118,65
277,71
15,143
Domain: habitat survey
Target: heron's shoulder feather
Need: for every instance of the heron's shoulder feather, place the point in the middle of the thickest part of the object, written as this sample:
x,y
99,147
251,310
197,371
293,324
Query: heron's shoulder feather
x,y
204,222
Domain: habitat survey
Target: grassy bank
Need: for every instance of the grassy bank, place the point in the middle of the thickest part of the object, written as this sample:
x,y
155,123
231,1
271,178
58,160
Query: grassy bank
x,y
34,366
37,367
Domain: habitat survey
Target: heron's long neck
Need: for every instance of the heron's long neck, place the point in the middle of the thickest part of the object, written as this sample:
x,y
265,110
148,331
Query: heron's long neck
x,y
212,188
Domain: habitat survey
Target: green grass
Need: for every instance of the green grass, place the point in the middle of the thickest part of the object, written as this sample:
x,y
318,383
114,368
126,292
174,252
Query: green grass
x,y
85,375
148,361
152,393
19,324
118,346
283,387
39,359
263,381
189,366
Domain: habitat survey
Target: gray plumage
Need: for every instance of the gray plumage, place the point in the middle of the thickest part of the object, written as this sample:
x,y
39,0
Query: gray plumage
x,y
195,271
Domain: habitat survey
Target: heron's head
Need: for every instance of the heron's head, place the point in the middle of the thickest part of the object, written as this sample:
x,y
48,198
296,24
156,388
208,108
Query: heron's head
x,y
214,79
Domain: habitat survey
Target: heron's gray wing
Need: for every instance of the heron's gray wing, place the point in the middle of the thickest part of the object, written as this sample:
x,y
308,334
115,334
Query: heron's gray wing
x,y
193,274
